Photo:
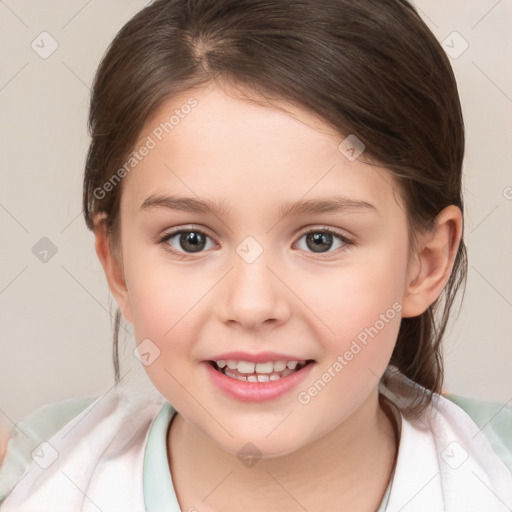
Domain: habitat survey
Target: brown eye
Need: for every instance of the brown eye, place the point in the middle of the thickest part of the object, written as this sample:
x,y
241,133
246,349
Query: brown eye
x,y
186,241
321,240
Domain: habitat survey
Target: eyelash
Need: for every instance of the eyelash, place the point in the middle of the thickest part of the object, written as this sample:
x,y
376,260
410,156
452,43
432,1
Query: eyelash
x,y
183,255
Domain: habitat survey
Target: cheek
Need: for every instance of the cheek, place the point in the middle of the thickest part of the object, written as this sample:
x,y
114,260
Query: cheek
x,y
159,290
162,298
366,326
164,304
358,309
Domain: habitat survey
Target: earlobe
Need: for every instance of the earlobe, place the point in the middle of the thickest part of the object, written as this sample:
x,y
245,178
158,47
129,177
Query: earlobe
x,y
112,265
434,261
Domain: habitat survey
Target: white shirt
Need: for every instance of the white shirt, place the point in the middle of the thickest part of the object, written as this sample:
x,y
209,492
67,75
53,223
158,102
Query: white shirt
x,y
112,457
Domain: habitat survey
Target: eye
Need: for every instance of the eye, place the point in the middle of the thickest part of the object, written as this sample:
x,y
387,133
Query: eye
x,y
182,242
319,239
190,240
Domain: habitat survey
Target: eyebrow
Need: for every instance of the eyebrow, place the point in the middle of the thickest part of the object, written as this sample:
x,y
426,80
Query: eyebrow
x,y
310,206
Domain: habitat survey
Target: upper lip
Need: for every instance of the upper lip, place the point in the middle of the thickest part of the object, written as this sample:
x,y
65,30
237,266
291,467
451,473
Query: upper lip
x,y
260,357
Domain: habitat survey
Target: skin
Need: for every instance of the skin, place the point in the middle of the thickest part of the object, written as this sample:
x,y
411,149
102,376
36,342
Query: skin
x,y
337,451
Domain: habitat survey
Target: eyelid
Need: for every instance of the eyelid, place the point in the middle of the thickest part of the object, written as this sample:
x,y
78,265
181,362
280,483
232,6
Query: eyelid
x,y
185,227
327,229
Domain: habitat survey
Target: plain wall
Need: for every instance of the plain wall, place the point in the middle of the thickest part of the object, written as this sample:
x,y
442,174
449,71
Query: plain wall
x,y
56,319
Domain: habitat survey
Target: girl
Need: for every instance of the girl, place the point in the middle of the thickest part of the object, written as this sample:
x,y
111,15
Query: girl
x,y
275,194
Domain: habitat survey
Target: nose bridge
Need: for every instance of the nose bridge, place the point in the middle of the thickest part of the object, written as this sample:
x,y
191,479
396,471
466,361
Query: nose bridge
x,y
254,294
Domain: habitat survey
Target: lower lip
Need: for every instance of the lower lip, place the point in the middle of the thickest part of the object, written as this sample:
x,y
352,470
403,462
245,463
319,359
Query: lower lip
x,y
257,391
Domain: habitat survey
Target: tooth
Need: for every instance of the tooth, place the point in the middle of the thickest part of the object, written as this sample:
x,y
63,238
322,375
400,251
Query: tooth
x,y
259,372
265,367
279,366
245,367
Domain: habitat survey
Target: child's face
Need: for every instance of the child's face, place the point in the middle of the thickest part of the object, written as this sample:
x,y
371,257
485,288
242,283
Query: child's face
x,y
289,299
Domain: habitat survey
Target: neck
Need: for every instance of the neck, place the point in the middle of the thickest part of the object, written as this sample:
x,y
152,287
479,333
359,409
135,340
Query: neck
x,y
347,469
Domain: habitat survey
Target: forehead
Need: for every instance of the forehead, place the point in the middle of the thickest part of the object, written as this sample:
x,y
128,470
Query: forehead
x,y
211,142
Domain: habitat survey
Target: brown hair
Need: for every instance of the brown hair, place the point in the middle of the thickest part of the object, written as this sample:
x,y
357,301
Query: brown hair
x,y
370,68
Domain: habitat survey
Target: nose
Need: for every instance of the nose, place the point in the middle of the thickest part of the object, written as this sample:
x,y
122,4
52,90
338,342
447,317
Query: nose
x,y
253,295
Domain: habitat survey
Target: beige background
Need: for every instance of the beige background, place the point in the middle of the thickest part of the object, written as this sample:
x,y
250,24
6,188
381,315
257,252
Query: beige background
x,y
55,322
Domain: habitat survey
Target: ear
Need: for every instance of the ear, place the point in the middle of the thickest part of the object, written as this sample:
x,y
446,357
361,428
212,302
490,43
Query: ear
x,y
433,262
112,266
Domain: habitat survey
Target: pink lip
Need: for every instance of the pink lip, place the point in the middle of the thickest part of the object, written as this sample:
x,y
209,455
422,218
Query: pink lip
x,y
260,357
256,391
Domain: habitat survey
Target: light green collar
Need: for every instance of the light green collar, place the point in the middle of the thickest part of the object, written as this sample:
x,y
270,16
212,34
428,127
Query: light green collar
x,y
159,495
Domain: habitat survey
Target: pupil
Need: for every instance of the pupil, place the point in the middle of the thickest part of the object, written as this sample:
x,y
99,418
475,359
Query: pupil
x,y
319,239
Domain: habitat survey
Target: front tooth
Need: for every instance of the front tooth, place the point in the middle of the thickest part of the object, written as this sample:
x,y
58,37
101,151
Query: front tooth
x,y
265,367
279,366
221,363
292,364
274,376
245,367
263,378
232,364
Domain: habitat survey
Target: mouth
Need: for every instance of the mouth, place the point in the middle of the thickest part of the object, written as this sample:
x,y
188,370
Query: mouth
x,y
264,372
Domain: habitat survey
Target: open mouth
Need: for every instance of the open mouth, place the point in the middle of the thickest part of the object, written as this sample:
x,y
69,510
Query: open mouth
x,y
271,375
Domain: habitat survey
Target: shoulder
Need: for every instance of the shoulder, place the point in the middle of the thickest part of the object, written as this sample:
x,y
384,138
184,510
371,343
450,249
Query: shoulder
x,y
33,429
493,418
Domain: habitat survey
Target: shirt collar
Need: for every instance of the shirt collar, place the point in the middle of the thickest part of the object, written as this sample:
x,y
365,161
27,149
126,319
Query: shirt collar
x,y
159,494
